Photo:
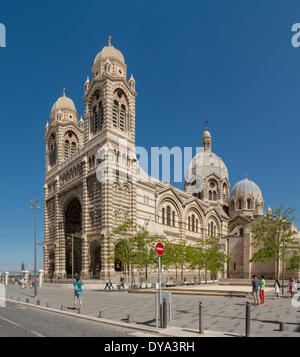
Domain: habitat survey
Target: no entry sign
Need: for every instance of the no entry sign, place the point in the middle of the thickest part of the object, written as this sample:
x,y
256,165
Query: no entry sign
x,y
159,248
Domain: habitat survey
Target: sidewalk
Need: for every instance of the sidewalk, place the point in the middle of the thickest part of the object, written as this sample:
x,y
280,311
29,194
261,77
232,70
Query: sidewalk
x,y
221,314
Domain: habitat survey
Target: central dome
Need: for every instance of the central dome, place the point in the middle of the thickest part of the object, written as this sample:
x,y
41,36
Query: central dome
x,y
205,164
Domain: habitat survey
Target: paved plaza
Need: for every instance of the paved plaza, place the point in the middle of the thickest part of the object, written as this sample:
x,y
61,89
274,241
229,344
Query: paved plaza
x,y
221,313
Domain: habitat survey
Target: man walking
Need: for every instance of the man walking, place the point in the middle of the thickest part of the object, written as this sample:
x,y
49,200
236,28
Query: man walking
x,y
255,285
262,289
107,284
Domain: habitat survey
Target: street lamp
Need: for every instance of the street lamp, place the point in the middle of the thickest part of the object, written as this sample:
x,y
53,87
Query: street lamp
x,y
34,204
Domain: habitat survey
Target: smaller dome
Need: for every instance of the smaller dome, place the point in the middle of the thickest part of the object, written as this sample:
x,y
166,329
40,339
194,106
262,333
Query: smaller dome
x,y
109,52
246,188
63,104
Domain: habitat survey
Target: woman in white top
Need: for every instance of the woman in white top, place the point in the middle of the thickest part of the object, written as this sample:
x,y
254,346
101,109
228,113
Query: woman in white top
x,y
277,287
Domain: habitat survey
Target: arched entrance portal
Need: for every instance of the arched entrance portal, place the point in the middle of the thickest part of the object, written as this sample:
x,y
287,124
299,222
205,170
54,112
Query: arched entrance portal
x,y
73,227
95,259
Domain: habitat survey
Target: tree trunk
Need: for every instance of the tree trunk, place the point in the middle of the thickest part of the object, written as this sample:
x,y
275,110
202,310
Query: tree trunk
x,y
182,273
205,277
198,275
282,273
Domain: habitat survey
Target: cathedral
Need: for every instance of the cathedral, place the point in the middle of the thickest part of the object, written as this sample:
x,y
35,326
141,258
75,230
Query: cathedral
x,y
81,211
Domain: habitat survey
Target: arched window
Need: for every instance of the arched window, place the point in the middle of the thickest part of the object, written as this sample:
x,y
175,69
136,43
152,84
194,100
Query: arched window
x,y
52,152
73,148
248,204
70,145
97,113
168,215
122,117
101,116
214,196
196,225
241,232
119,111
189,223
240,204
163,216
115,113
67,148
173,218
210,195
193,223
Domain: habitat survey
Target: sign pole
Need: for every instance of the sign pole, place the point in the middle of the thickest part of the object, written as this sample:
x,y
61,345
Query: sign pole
x,y
159,248
159,287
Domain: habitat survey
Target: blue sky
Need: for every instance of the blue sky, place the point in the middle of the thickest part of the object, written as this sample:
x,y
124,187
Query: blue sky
x,y
228,62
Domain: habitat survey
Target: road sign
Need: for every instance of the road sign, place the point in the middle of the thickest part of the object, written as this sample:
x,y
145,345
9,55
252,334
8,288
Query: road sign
x,y
159,248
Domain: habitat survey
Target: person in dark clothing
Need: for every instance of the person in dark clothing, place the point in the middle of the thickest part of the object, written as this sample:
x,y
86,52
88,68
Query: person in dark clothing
x,y
255,286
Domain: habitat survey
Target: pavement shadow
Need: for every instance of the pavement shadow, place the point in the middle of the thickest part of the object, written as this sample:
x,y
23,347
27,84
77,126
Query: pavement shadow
x,y
149,322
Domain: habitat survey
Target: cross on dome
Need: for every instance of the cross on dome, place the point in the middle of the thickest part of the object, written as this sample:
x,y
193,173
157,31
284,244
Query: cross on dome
x,y
109,40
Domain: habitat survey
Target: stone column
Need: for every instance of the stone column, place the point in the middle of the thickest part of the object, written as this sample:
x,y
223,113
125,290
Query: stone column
x,y
6,278
41,277
60,246
85,210
46,233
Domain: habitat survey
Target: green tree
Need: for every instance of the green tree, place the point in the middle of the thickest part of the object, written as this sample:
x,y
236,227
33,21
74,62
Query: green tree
x,y
274,239
213,258
196,258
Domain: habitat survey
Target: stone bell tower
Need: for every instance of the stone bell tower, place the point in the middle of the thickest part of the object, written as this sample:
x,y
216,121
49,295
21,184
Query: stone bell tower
x,y
110,124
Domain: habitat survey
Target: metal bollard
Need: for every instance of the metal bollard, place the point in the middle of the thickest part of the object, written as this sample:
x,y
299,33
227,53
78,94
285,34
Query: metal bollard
x,y
47,305
248,319
129,318
101,314
38,302
27,301
61,307
281,326
161,315
165,313
200,318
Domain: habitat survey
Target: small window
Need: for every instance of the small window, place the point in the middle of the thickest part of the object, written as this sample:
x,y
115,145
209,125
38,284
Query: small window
x,y
234,266
240,204
241,232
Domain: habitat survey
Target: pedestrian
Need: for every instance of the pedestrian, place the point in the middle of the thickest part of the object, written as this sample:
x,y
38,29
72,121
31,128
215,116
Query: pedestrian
x,y
122,281
292,286
32,282
107,284
277,288
262,289
110,284
78,293
255,285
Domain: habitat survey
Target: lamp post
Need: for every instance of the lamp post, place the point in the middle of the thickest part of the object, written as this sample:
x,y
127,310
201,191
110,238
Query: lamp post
x,y
34,204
